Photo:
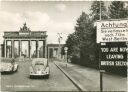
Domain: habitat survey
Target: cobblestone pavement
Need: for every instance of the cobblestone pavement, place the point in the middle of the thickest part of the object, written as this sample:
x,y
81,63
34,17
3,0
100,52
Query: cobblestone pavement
x,y
90,78
20,80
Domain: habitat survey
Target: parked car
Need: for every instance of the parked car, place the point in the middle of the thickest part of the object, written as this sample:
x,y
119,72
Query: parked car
x,y
39,68
8,65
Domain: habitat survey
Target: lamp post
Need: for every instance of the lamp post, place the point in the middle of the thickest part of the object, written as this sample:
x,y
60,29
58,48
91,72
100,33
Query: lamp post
x,y
59,40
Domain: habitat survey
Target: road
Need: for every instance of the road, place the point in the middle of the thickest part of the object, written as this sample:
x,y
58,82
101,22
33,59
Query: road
x,y
89,78
20,81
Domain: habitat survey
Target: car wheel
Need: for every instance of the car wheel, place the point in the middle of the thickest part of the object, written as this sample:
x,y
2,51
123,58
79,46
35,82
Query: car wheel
x,y
47,76
16,70
31,77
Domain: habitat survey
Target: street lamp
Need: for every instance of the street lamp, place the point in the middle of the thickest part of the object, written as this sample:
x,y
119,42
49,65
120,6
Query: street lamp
x,y
59,40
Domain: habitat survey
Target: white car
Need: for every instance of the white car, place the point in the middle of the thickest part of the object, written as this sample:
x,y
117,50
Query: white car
x,y
8,65
39,68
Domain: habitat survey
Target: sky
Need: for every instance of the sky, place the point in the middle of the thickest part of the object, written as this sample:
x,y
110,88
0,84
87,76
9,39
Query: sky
x,y
51,16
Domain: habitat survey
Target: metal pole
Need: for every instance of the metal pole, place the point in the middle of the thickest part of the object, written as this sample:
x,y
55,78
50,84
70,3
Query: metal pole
x,y
66,54
59,40
59,46
66,59
101,81
100,11
101,73
127,61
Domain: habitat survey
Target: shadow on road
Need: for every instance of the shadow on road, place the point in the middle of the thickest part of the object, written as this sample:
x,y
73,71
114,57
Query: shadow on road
x,y
7,73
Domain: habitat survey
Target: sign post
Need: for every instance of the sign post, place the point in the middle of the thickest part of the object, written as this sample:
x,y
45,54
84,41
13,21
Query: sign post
x,y
101,70
112,36
66,50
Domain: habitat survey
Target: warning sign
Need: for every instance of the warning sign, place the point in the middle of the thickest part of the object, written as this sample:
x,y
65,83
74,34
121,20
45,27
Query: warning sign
x,y
113,54
112,31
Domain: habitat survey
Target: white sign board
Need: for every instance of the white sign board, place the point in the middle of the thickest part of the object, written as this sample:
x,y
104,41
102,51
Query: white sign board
x,y
112,31
65,48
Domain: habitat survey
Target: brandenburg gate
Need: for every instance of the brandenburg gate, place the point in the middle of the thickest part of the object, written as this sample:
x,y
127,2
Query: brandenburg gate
x,y
27,43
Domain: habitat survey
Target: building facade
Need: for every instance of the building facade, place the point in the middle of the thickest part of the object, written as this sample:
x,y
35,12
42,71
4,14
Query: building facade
x,y
54,51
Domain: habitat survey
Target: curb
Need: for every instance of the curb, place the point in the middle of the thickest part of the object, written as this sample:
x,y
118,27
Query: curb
x,y
78,85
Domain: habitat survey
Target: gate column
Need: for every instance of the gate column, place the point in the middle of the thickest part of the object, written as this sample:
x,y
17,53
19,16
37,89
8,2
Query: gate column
x,y
20,47
44,49
37,49
5,48
29,48
13,50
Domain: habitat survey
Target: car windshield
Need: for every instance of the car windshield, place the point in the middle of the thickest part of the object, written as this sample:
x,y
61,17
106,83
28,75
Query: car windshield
x,y
7,60
3,64
39,63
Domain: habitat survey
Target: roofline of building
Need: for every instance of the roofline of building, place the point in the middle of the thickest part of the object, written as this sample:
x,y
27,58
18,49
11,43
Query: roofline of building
x,y
19,31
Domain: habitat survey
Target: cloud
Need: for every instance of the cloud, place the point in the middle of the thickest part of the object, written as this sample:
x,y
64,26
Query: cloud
x,y
36,21
13,21
61,7
59,27
9,21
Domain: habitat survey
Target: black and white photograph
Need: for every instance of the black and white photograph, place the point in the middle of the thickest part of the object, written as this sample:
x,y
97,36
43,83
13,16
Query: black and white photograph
x,y
63,45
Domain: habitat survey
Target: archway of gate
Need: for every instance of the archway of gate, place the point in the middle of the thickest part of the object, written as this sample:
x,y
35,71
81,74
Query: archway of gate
x,y
25,49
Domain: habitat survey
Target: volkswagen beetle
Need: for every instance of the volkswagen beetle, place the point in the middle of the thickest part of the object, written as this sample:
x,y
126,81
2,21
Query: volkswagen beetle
x,y
39,68
8,65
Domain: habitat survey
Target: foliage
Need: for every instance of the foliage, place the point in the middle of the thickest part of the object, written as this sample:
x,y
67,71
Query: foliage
x,y
117,10
82,46
72,44
81,42
62,50
95,8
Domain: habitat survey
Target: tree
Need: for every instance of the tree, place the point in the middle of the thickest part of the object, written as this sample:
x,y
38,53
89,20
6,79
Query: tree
x,y
75,40
81,42
72,44
81,28
117,10
95,8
